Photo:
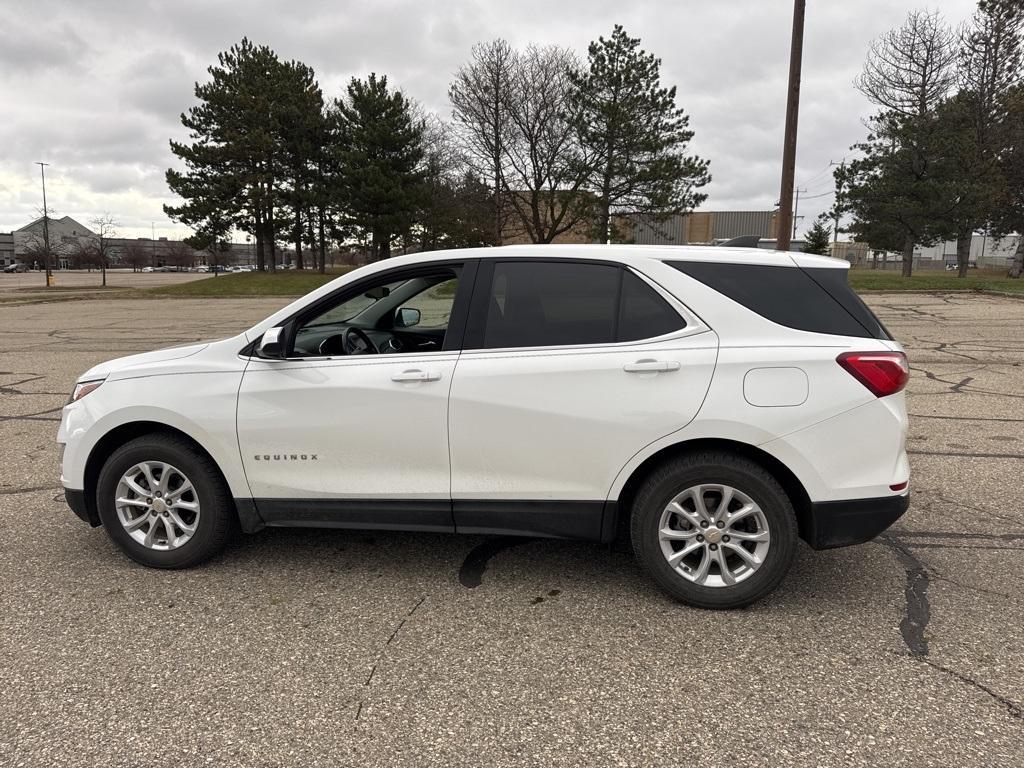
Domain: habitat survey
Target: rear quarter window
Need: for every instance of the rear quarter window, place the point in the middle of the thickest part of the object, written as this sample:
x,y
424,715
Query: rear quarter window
x,y
818,300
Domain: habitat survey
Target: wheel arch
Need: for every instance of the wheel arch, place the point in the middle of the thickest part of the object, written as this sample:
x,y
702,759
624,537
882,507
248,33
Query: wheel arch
x,y
118,436
784,475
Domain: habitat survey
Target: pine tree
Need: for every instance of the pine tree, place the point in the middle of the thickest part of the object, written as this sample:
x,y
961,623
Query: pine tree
x,y
636,133
379,152
990,64
902,189
251,159
818,238
300,126
1008,216
231,160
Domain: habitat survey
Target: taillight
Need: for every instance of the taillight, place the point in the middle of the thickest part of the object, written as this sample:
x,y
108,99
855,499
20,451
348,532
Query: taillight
x,y
884,373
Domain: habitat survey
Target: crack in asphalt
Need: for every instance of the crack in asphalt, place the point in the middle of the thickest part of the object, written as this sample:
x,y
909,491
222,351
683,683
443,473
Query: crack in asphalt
x,y
958,535
965,418
957,504
961,455
1012,707
384,650
28,489
918,611
917,614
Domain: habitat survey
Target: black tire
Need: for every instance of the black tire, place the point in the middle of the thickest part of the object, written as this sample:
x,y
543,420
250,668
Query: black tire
x,y
710,467
217,519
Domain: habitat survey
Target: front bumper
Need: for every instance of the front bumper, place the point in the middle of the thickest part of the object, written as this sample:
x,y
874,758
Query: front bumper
x,y
831,524
76,500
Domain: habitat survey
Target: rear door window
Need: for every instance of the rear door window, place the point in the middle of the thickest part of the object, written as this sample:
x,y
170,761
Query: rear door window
x,y
643,314
540,304
818,300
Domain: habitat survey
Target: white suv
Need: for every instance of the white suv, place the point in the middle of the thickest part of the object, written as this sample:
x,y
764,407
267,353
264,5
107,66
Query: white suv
x,y
720,403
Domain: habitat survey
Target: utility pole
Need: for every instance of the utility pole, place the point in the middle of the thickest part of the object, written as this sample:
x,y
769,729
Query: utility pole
x,y
152,243
789,143
46,226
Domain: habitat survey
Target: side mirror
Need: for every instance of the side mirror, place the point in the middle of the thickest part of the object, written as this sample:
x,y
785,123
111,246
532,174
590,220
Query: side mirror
x,y
406,317
272,344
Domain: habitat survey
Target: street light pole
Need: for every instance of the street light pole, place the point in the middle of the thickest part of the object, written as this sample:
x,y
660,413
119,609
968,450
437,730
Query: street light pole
x,y
840,189
796,210
789,143
46,226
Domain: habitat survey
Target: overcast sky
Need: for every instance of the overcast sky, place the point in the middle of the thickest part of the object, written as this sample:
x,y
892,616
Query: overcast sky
x,y
96,87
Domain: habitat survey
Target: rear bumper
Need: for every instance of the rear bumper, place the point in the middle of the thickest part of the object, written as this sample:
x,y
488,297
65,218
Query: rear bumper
x,y
76,500
831,524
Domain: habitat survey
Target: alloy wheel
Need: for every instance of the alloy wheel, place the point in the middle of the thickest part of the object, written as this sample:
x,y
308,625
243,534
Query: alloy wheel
x,y
157,505
714,535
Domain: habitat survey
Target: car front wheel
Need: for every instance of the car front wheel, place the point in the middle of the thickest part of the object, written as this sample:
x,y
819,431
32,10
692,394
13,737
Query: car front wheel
x,y
714,530
164,503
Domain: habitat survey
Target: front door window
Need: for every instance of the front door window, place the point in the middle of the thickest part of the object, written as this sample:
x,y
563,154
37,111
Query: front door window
x,y
394,316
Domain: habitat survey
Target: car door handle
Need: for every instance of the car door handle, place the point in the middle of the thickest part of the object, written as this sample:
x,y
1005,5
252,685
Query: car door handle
x,y
651,366
415,374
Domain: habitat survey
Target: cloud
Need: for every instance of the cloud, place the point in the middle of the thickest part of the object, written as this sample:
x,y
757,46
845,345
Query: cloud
x,y
29,47
96,88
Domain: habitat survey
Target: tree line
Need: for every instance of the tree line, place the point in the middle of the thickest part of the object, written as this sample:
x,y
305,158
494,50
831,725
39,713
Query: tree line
x,y
539,143
944,156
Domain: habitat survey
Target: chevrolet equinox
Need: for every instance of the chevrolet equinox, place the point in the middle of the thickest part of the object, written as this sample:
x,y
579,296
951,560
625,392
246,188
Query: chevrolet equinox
x,y
718,403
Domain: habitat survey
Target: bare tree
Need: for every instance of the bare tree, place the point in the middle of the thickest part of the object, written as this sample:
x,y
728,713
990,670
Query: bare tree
x,y
82,254
180,255
911,69
547,166
34,252
480,97
135,255
105,228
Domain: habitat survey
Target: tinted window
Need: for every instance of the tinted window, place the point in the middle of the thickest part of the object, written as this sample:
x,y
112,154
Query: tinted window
x,y
643,313
834,282
791,296
539,304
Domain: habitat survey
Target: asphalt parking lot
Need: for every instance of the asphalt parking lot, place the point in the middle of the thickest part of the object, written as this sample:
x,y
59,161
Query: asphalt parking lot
x,y
309,648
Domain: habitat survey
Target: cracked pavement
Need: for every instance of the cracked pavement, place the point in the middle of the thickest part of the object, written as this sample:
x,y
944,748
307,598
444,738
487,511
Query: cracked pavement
x,y
308,648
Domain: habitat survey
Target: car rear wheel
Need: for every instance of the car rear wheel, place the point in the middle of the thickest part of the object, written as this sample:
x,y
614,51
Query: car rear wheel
x,y
164,503
714,530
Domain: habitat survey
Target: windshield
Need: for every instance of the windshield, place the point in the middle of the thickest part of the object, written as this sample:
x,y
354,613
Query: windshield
x,y
350,309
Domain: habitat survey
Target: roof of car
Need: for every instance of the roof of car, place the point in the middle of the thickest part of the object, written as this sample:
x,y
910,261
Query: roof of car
x,y
757,256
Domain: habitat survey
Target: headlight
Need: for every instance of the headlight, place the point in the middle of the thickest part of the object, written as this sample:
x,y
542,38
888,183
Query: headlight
x,y
83,388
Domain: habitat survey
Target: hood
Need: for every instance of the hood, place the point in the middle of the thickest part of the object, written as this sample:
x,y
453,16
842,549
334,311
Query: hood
x,y
133,363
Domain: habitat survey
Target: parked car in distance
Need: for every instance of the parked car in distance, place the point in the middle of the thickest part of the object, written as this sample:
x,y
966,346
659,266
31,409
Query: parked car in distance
x,y
714,404
16,267
200,268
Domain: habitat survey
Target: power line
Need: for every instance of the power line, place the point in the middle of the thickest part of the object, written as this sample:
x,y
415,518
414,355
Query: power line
x,y
817,176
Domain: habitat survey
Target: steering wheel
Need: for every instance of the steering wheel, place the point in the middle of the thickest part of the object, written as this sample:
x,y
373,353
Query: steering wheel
x,y
356,342
353,341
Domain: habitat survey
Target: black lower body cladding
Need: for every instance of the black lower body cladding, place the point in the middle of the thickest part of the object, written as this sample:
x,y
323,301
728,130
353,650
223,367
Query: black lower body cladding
x,y
831,524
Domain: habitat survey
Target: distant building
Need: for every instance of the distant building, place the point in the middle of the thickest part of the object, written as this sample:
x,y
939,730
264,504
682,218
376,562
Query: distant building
x,y
698,227
6,248
985,252
26,246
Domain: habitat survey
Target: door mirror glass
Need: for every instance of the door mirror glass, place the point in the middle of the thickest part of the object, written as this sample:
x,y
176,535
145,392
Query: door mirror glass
x,y
272,344
407,317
